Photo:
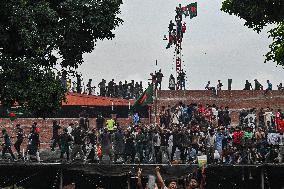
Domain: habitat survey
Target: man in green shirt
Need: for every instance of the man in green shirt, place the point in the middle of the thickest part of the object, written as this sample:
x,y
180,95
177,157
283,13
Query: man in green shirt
x,y
257,85
110,124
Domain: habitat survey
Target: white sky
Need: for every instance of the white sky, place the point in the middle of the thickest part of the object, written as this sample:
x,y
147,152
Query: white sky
x,y
216,46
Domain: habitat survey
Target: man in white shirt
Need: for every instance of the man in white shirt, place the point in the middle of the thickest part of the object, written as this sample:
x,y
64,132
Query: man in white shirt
x,y
157,145
268,117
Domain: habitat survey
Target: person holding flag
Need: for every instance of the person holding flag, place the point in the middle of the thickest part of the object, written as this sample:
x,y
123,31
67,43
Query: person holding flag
x,y
145,99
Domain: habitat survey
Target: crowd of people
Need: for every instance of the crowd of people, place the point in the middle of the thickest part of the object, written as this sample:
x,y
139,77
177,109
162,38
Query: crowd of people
x,y
194,180
33,143
133,90
248,86
184,133
126,90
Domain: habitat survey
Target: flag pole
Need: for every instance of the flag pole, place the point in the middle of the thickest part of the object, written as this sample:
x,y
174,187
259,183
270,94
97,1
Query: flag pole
x,y
149,115
155,121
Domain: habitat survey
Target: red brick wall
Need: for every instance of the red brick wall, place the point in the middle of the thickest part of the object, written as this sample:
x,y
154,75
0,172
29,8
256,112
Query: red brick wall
x,y
46,126
235,99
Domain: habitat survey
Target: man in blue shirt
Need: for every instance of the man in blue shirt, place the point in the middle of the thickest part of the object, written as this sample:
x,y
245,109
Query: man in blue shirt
x,y
136,119
219,141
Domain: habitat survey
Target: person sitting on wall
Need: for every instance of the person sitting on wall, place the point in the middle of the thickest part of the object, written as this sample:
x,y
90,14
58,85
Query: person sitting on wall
x,y
248,85
257,85
280,87
219,85
207,87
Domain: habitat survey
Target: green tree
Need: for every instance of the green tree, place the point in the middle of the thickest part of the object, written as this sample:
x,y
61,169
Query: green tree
x,y
258,14
38,35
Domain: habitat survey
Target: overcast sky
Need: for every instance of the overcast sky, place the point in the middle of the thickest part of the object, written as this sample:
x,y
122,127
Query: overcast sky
x,y
215,46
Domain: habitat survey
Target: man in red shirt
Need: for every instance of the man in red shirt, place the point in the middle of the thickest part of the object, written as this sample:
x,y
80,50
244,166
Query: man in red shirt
x,y
238,137
279,121
200,109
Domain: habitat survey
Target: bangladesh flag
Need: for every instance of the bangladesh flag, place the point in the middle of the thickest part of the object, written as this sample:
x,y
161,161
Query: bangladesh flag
x,y
192,9
13,115
145,99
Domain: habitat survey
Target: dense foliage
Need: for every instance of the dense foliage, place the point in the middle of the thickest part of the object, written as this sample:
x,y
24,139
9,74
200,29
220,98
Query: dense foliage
x,y
258,14
38,35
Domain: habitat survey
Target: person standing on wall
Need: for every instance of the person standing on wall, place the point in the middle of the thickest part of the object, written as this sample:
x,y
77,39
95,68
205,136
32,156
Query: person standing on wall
x,y
20,139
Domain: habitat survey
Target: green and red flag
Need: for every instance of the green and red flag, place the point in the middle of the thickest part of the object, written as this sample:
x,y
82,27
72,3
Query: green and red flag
x,y
192,9
13,115
145,99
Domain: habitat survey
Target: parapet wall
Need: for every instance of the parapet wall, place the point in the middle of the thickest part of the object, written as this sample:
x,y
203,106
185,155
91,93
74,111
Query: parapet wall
x,y
45,126
234,99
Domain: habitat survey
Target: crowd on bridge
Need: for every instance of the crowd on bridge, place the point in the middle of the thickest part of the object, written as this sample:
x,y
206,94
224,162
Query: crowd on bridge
x,y
184,133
